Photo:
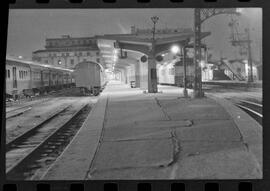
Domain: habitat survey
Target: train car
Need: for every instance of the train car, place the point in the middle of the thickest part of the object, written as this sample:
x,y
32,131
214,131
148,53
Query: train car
x,y
18,77
89,76
172,73
166,74
28,77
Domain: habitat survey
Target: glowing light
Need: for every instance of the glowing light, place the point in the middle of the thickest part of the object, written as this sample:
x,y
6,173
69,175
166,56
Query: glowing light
x,y
105,45
239,10
115,51
175,49
20,57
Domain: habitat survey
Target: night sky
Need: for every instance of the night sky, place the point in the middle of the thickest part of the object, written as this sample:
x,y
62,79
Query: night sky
x,y
28,28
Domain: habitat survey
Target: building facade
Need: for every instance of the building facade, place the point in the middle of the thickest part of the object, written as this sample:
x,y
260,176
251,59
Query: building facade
x,y
67,51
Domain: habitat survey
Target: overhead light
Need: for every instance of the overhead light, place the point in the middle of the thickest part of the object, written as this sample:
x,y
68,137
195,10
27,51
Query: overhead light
x,y
105,46
115,51
175,49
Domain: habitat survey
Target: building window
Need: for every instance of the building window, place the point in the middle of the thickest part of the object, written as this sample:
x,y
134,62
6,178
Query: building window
x,y
8,73
46,61
67,54
63,54
71,62
84,60
88,54
59,62
54,55
80,53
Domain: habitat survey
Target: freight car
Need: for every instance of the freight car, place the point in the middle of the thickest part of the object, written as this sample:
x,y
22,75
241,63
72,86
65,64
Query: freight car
x,y
89,77
29,77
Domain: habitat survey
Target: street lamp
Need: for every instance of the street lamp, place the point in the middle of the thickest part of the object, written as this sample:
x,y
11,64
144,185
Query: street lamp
x,y
154,20
180,53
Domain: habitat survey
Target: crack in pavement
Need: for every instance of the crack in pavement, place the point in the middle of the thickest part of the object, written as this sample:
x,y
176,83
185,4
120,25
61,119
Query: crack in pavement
x,y
156,166
162,109
176,147
136,139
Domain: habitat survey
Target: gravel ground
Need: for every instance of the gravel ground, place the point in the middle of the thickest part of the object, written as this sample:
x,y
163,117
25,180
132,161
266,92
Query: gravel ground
x,y
20,124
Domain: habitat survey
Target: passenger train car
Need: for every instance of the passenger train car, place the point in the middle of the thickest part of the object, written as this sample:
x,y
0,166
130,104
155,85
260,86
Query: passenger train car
x,y
90,76
29,77
172,73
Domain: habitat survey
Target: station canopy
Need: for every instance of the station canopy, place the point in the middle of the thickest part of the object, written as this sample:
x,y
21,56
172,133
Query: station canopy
x,y
119,50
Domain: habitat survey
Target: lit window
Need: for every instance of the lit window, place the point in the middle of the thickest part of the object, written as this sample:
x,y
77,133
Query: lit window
x,y
59,62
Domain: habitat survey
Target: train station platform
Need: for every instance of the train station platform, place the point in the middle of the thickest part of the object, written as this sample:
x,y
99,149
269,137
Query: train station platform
x,y
134,135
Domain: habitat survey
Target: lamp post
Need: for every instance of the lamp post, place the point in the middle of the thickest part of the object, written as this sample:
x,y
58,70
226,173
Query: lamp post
x,y
181,54
154,20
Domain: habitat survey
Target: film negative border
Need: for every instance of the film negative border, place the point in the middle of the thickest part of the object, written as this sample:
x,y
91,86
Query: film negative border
x,y
185,185
131,3
132,186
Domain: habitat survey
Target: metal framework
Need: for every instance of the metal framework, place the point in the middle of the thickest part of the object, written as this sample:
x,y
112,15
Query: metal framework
x,y
200,15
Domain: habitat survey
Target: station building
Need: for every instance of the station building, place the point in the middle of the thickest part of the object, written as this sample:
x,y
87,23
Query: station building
x,y
67,51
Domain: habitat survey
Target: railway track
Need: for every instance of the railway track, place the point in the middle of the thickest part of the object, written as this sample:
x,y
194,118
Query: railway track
x,y
20,110
254,109
29,155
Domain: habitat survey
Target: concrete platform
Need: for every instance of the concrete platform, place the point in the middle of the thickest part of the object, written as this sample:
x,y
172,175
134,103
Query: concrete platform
x,y
132,135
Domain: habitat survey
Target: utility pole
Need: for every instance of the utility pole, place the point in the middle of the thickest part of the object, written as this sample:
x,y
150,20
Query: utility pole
x,y
200,15
197,53
250,79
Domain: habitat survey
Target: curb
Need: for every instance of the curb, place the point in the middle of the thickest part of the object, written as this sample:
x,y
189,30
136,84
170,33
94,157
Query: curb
x,y
249,128
75,160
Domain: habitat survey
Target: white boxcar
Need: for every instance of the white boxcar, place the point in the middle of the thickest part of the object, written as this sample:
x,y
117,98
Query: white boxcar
x,y
89,75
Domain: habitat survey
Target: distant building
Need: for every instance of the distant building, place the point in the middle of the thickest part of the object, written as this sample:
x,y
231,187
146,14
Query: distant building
x,y
159,32
67,51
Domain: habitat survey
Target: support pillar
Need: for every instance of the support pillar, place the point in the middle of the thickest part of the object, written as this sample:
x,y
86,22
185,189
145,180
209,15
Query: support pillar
x,y
137,74
152,71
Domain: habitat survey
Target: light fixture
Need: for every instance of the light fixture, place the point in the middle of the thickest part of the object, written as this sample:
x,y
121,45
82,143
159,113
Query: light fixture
x,y
175,49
